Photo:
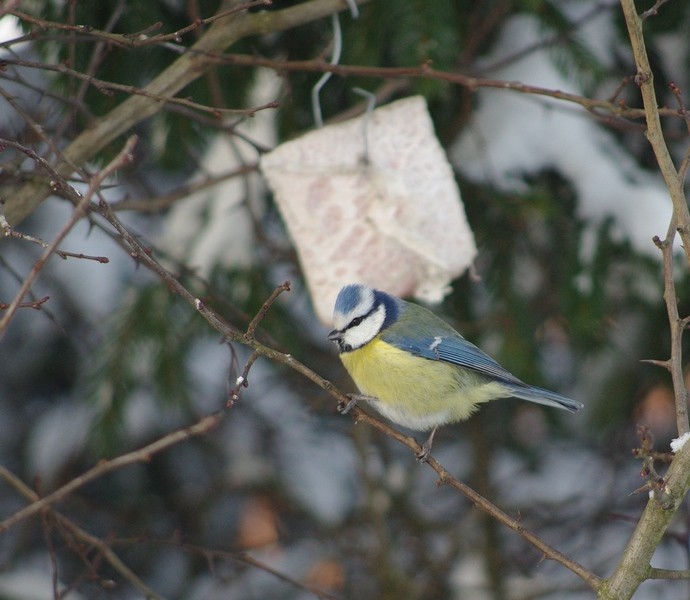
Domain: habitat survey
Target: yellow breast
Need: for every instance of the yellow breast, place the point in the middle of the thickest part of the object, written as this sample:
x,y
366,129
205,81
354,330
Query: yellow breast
x,y
416,392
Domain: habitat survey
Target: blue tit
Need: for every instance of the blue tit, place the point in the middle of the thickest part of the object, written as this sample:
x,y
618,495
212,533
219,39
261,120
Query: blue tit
x,y
414,368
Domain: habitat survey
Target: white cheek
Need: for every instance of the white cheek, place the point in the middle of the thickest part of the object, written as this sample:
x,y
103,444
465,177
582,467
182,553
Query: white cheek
x,y
366,330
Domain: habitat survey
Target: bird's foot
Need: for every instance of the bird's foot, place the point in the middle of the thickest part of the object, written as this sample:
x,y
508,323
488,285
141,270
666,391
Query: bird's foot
x,y
345,407
423,454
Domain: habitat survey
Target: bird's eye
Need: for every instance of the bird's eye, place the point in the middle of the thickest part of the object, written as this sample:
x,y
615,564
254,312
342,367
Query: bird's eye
x,y
356,321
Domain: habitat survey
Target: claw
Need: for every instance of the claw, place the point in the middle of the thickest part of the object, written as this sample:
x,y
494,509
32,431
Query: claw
x,y
423,455
345,407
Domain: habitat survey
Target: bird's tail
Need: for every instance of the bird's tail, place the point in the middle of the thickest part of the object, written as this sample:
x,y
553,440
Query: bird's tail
x,y
546,397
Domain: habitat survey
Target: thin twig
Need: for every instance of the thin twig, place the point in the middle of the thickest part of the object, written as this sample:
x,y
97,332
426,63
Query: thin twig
x,y
123,158
35,304
645,80
425,71
139,38
655,573
81,534
106,466
65,255
10,232
654,10
251,329
107,88
242,557
159,203
634,565
683,112
98,54
242,381
677,326
664,364
445,478
190,65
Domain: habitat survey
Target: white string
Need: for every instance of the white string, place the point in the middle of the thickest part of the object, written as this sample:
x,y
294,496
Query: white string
x,y
335,59
354,10
371,104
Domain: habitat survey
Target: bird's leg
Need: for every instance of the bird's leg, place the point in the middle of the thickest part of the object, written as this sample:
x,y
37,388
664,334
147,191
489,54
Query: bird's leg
x,y
345,407
423,455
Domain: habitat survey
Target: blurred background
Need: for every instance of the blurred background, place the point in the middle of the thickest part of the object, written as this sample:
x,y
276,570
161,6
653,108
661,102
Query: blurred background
x,y
566,292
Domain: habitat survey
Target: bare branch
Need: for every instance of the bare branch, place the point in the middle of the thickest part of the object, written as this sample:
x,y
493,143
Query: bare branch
x,y
109,87
242,381
667,574
64,254
106,466
159,203
124,157
425,71
634,566
35,304
245,558
81,534
664,364
188,67
251,330
652,12
645,80
139,38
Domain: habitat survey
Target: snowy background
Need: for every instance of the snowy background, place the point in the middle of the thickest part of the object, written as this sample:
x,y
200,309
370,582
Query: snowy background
x,y
567,294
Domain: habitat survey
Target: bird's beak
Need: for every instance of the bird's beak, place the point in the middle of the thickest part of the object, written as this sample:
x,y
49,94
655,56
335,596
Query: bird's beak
x,y
335,335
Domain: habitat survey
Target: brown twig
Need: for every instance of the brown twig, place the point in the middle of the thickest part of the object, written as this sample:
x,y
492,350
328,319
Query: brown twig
x,y
65,255
107,466
97,57
654,10
8,6
664,364
683,112
254,323
139,38
242,557
677,326
123,158
107,88
191,64
35,304
208,52
80,534
655,573
634,565
35,127
645,80
655,483
10,232
426,71
242,381
445,478
159,203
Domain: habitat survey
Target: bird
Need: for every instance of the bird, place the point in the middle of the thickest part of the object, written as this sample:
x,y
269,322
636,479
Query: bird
x,y
414,368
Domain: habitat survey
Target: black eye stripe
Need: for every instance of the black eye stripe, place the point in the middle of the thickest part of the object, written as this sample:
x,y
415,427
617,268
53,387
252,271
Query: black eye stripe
x,y
358,320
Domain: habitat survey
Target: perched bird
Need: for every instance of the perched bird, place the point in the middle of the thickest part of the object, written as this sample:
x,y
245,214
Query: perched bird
x,y
414,368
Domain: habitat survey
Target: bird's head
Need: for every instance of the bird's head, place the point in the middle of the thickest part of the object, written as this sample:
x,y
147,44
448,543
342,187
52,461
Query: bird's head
x,y
359,315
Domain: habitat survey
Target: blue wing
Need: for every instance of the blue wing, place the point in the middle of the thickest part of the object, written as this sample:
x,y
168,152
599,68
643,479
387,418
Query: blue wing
x,y
453,349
